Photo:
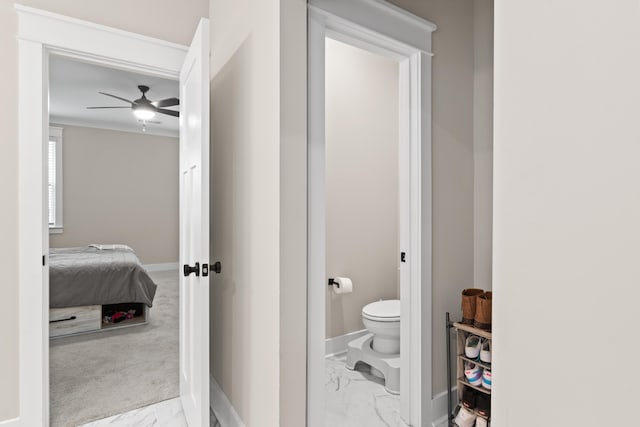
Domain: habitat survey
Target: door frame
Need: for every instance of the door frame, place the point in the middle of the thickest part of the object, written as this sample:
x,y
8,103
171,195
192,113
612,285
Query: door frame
x,y
377,26
41,34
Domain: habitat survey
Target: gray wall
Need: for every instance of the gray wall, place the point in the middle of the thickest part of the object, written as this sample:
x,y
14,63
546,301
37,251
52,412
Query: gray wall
x,y
361,125
293,212
482,141
453,162
120,187
169,20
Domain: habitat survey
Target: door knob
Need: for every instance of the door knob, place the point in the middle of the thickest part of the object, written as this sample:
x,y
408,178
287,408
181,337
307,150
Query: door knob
x,y
188,269
217,267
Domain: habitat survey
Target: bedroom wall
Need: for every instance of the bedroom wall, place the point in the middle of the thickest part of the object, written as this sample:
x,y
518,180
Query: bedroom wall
x,y
120,187
162,18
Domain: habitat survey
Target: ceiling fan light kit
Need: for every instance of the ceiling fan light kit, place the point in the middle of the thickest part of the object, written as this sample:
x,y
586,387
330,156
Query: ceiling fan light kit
x,y
143,113
144,109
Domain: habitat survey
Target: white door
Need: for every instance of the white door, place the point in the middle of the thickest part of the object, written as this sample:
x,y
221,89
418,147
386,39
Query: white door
x,y
194,229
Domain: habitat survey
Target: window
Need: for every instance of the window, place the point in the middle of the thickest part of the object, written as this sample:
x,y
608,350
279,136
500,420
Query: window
x,y
54,164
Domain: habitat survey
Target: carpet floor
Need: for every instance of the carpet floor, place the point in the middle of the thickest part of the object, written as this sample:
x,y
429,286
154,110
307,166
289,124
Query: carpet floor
x,y
97,375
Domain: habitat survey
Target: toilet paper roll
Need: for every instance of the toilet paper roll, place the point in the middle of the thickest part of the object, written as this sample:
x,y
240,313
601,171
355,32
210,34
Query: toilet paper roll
x,y
342,285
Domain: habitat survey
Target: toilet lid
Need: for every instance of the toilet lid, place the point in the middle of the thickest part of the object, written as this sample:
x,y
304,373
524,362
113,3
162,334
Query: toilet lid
x,y
388,310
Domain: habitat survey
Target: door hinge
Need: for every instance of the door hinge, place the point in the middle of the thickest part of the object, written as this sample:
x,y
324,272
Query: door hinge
x,y
403,257
44,260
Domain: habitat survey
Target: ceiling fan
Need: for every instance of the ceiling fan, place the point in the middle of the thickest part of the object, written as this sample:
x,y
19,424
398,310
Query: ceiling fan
x,y
143,108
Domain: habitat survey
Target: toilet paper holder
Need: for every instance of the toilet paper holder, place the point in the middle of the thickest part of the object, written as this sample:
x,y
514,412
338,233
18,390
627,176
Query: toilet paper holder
x,y
333,282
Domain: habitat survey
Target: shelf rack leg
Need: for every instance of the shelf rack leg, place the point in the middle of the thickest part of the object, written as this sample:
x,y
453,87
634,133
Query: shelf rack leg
x,y
449,403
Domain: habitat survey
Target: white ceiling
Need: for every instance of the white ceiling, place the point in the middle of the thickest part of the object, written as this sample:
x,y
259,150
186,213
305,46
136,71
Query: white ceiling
x,y
74,86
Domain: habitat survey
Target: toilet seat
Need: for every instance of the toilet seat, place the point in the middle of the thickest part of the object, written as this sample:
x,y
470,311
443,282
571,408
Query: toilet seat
x,y
382,311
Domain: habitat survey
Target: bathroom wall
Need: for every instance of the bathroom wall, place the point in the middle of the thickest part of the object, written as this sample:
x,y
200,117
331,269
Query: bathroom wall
x,y
361,181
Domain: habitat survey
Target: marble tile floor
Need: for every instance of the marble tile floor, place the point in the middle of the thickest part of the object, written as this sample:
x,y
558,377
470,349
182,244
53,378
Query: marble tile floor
x,y
162,414
357,398
353,399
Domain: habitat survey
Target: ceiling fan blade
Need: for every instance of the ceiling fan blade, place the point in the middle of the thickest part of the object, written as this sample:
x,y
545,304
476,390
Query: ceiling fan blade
x,y
168,112
166,102
116,97
95,108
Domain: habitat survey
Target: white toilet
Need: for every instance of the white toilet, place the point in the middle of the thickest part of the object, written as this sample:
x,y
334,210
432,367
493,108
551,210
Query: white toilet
x,y
380,348
382,319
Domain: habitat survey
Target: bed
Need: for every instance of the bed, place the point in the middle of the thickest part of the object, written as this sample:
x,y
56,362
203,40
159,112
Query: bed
x,y
88,285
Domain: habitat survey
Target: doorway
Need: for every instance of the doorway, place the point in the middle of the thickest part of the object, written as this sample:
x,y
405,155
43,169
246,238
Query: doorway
x,y
40,35
102,332
374,28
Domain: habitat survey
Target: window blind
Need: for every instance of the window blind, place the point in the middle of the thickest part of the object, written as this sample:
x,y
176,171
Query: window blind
x,y
52,182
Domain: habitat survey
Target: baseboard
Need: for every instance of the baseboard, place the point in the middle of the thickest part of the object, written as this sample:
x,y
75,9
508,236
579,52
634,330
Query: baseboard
x,y
441,422
338,344
13,422
439,407
166,266
222,407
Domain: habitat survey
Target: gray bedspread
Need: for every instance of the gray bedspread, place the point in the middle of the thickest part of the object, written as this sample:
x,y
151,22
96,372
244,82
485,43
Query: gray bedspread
x,y
90,276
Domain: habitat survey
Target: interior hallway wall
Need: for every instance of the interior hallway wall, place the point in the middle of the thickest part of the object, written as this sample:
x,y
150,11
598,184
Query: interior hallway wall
x,y
120,187
245,174
566,212
259,141
362,200
453,162
9,212
164,19
163,16
482,142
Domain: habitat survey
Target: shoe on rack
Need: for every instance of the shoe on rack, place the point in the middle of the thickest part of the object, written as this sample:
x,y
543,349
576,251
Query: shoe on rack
x,y
483,405
465,418
485,351
469,396
486,379
481,422
473,373
469,297
472,347
482,319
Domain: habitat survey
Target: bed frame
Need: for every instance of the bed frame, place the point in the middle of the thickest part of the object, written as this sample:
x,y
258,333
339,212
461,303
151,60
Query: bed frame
x,y
68,321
